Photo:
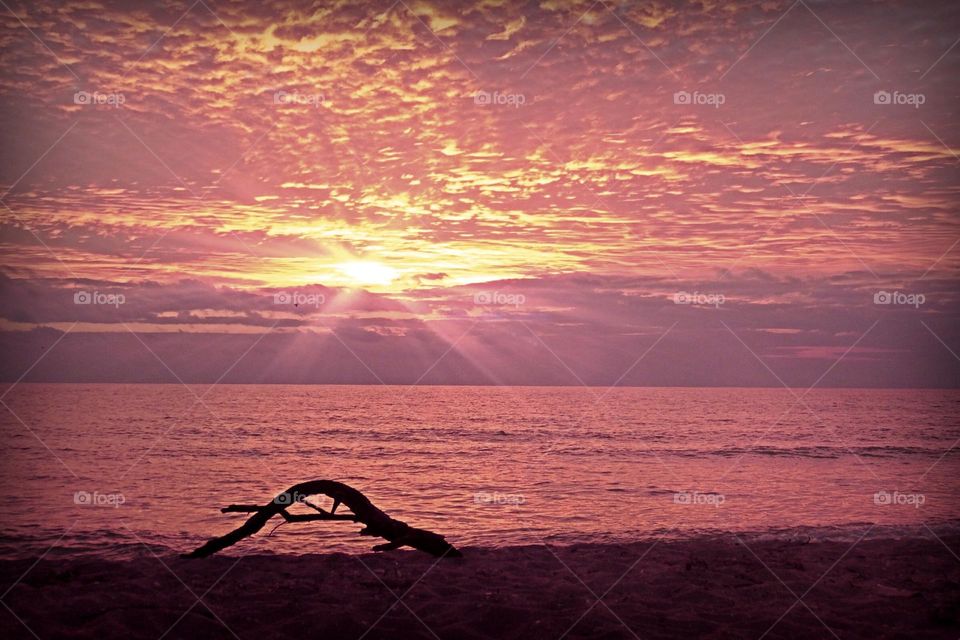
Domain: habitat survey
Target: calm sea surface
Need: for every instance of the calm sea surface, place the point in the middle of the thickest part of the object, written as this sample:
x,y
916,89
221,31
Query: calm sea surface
x,y
110,468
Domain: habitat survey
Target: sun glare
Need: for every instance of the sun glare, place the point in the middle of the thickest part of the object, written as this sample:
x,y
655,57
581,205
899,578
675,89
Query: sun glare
x,y
367,273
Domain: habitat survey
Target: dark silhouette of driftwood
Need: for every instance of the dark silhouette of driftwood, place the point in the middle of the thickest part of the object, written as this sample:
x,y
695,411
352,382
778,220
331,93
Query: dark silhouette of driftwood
x,y
378,524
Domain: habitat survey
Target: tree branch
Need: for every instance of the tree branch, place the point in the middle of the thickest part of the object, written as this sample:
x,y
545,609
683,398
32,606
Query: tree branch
x,y
378,524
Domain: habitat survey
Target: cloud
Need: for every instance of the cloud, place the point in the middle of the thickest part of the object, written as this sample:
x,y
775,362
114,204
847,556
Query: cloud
x,y
595,159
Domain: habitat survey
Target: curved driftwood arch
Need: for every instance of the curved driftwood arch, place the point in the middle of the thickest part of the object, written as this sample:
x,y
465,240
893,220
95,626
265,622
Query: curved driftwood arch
x,y
378,524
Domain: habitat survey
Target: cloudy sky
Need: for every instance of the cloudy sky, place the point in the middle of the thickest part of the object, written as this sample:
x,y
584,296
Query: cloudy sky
x,y
491,192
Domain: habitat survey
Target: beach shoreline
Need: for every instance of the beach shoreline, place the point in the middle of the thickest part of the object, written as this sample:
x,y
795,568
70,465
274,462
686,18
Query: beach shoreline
x,y
723,586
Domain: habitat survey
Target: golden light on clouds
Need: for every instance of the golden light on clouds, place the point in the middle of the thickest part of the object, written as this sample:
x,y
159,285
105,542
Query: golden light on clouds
x,y
595,156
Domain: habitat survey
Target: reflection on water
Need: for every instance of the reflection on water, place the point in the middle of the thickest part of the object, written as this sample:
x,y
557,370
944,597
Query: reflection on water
x,y
483,465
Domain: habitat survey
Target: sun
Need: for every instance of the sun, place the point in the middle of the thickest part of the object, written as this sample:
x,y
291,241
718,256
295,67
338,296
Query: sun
x,y
367,272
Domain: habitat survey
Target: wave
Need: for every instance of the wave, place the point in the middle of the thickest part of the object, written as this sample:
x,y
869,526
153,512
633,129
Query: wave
x,y
125,545
832,452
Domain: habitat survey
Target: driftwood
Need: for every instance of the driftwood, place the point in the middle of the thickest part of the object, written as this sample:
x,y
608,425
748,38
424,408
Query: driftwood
x,y
378,524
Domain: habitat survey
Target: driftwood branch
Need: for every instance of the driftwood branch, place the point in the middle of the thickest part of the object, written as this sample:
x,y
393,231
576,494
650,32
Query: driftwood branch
x,y
377,523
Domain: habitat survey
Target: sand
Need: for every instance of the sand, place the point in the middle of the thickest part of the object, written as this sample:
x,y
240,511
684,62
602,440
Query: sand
x,y
701,588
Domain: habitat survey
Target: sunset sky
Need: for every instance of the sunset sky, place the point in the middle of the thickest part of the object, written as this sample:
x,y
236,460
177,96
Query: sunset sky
x,y
486,192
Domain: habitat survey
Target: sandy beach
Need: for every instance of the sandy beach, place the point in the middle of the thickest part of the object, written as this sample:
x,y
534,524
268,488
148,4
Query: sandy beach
x,y
709,587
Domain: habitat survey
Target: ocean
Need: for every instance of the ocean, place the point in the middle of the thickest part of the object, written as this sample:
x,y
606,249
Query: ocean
x,y
115,469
